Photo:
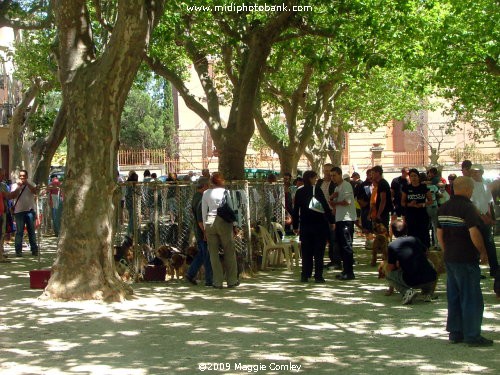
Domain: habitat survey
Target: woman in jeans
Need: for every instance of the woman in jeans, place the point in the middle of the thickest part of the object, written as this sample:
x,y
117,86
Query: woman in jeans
x,y
219,232
314,230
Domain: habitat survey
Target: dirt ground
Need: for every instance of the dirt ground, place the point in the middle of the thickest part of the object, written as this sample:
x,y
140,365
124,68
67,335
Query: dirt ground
x,y
271,324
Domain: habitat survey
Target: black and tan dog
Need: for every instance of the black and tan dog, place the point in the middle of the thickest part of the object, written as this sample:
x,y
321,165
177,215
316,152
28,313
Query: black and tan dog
x,y
173,259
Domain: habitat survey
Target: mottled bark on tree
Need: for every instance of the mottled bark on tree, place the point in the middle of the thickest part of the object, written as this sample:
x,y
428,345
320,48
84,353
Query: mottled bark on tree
x,y
17,130
47,147
94,92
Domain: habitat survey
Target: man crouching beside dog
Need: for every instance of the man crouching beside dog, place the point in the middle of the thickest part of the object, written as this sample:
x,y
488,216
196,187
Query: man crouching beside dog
x,y
408,269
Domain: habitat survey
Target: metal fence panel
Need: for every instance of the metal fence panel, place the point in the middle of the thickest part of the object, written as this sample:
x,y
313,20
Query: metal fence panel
x,y
155,214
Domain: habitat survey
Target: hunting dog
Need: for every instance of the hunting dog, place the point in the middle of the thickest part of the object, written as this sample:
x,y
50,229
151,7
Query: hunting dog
x,y
173,259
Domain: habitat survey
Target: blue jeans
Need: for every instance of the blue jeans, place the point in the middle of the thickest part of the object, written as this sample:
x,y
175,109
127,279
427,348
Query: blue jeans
x,y
56,219
202,258
465,301
25,218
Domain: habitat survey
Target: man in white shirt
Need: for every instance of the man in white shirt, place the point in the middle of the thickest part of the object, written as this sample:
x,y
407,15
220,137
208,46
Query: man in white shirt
x,y
328,187
483,200
345,216
24,213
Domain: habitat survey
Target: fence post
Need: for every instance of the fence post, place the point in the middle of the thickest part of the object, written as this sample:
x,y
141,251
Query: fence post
x,y
248,226
136,216
156,217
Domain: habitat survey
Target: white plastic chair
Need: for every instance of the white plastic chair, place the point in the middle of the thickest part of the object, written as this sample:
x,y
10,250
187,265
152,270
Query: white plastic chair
x,y
270,246
292,242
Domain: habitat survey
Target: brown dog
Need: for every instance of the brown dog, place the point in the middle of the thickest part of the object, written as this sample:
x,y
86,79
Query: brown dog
x,y
173,259
379,243
436,258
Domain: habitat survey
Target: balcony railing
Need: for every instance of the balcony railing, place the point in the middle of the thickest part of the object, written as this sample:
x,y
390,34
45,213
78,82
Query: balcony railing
x,y
142,157
405,159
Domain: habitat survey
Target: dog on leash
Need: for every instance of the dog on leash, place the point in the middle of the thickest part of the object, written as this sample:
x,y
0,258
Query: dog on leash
x,y
379,243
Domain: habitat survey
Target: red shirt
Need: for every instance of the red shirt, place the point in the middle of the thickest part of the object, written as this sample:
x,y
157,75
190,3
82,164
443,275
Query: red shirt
x,y
55,184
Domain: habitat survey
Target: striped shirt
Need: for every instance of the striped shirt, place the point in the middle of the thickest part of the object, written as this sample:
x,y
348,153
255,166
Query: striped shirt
x,y
455,217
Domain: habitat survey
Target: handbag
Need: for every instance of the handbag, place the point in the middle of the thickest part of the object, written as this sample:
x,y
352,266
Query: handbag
x,y
315,204
225,211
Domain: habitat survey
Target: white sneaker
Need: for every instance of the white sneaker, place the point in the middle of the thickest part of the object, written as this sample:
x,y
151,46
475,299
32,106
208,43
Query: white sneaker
x,y
409,296
430,297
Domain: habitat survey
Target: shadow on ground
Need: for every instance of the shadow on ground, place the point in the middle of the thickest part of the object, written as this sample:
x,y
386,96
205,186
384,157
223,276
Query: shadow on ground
x,y
271,324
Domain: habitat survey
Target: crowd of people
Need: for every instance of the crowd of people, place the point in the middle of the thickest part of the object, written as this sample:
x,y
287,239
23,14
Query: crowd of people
x,y
420,209
423,211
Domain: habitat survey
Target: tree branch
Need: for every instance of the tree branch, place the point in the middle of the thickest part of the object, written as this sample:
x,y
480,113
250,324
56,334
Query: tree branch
x,y
201,65
178,83
19,24
227,58
226,28
271,140
299,94
102,21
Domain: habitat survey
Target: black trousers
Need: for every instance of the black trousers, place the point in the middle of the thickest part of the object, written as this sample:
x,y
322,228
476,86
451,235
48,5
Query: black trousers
x,y
491,249
333,249
313,250
345,232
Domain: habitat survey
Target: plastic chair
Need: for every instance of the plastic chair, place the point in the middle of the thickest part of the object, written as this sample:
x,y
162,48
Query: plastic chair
x,y
292,242
270,245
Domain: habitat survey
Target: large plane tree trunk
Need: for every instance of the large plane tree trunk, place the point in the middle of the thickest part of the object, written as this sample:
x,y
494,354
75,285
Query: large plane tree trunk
x,y
94,94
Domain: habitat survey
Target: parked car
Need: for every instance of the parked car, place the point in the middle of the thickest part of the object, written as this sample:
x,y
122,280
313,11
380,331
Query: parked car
x,y
57,170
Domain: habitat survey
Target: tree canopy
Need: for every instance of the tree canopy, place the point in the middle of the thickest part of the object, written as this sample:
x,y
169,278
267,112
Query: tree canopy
x,y
462,48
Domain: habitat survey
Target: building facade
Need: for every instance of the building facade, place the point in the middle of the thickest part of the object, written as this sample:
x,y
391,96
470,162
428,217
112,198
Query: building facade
x,y
10,91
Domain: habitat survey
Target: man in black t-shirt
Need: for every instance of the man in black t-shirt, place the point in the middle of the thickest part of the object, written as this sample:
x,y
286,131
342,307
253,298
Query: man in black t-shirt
x,y
397,186
383,203
407,266
463,246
